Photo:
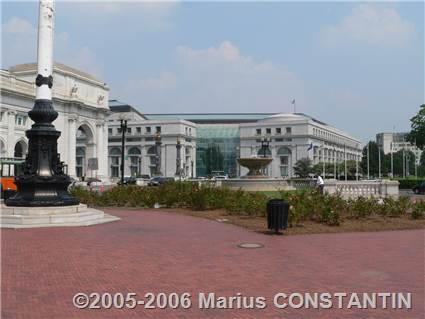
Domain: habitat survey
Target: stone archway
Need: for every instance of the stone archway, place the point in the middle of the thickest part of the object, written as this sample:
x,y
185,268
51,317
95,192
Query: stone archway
x,y
21,149
85,149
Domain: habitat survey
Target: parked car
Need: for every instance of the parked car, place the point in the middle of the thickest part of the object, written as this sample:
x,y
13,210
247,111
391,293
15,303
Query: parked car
x,y
90,180
419,189
130,181
159,180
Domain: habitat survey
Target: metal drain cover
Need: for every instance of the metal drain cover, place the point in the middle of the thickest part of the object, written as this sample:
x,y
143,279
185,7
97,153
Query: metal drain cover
x,y
250,245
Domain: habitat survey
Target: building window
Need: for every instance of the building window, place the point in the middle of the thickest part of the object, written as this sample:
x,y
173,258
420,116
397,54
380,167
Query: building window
x,y
258,131
129,130
138,130
278,130
20,120
109,131
190,131
268,131
284,154
80,154
1,116
148,130
134,154
158,128
288,130
119,130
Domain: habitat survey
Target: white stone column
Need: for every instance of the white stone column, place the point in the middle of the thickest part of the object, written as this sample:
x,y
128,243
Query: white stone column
x,y
72,145
102,161
11,134
45,47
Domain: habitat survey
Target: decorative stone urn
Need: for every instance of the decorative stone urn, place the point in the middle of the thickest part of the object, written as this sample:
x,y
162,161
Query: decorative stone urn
x,y
254,164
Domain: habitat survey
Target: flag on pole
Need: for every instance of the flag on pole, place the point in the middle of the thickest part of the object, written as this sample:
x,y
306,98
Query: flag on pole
x,y
310,147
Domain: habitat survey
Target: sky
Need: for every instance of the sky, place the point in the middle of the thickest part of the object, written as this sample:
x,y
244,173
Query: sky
x,y
355,65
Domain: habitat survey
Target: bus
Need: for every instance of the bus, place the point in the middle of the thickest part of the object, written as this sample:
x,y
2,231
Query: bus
x,y
9,168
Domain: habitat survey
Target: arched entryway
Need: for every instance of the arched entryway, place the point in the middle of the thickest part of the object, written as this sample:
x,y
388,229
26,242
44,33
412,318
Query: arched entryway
x,y
85,149
285,162
20,149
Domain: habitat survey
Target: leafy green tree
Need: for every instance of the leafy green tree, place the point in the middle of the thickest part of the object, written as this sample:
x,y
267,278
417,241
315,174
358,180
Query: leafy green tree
x,y
303,167
373,160
417,133
351,170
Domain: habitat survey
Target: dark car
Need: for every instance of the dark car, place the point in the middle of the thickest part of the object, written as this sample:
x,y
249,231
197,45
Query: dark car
x,y
419,189
159,180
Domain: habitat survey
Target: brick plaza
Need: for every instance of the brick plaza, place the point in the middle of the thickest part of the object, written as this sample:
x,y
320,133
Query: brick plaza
x,y
154,251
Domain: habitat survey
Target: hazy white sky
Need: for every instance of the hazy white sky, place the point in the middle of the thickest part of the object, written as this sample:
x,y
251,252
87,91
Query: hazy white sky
x,y
358,66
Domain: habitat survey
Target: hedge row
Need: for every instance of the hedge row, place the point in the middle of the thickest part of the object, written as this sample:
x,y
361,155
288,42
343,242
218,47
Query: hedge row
x,y
304,205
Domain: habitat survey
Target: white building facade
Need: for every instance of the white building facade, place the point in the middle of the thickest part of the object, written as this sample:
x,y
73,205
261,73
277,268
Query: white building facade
x,y
394,142
82,104
142,139
293,137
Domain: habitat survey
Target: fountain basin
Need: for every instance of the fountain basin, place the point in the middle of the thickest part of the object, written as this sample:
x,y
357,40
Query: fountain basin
x,y
254,164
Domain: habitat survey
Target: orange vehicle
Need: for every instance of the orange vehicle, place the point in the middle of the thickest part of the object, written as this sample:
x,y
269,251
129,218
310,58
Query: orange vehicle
x,y
9,168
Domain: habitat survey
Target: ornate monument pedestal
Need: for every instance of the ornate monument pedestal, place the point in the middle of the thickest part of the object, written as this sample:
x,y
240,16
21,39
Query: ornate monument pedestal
x,y
61,216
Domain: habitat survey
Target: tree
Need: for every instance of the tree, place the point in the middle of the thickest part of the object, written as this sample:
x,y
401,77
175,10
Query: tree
x,y
417,133
373,160
302,167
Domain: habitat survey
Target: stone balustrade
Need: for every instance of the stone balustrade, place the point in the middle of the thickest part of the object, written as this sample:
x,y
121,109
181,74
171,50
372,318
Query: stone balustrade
x,y
354,189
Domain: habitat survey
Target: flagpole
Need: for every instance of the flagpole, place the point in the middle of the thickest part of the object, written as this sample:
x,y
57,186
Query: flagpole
x,y
334,164
323,158
368,172
345,161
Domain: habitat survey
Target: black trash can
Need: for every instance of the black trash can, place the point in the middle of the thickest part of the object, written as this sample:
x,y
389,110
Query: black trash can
x,y
277,214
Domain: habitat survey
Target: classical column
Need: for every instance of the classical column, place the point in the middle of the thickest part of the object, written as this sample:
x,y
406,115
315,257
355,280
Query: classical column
x,y
11,133
72,145
43,182
101,156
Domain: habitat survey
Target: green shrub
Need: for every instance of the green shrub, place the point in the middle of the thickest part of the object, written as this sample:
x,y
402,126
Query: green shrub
x,y
305,205
409,183
361,207
418,210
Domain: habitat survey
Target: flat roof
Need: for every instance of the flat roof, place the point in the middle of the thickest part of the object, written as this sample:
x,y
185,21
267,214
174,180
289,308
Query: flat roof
x,y
211,117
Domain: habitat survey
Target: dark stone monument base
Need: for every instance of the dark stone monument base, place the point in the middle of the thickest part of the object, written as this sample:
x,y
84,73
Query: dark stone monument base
x,y
43,182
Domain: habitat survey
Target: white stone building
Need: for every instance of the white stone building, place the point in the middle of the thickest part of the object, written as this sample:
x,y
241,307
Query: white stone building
x,y
294,136
82,103
140,146
394,142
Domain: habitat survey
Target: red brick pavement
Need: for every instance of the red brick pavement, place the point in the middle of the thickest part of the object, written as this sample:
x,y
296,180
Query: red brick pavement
x,y
152,251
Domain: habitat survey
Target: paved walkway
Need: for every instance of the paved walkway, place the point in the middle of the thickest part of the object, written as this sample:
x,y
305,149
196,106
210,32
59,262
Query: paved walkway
x,y
152,251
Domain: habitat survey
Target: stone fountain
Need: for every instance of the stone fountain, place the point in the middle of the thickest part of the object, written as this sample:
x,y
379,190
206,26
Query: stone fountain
x,y
255,165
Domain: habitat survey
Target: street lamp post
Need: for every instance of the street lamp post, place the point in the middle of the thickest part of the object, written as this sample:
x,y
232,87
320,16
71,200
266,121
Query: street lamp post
x,y
178,159
43,182
158,153
123,124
